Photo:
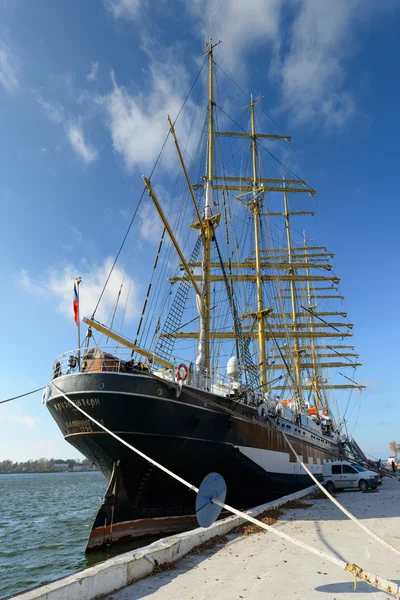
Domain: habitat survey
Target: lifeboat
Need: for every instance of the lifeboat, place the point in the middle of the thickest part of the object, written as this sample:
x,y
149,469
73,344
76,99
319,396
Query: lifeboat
x,y
286,402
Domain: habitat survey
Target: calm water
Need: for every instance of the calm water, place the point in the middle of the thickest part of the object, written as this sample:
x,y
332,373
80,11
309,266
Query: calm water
x,y
45,520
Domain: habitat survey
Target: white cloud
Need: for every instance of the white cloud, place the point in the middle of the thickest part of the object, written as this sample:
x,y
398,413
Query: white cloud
x,y
8,76
307,46
94,70
66,80
56,285
240,24
56,113
125,213
138,121
129,9
21,419
31,286
313,72
76,137
151,226
54,110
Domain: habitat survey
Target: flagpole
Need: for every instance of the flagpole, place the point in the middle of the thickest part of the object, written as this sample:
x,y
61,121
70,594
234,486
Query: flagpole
x,y
78,281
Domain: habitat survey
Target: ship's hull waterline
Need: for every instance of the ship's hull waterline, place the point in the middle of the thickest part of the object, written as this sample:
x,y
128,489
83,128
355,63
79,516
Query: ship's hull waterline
x,y
186,434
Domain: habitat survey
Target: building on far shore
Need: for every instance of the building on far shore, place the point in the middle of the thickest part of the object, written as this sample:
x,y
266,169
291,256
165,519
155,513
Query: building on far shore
x,y
61,466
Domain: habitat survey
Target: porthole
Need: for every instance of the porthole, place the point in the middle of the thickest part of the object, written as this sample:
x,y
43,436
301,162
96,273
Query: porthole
x,y
101,386
159,392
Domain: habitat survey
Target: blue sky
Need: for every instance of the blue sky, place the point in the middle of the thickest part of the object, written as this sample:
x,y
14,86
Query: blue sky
x,y
85,88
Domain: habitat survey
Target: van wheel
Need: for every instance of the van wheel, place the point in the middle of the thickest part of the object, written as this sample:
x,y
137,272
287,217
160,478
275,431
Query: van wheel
x,y
363,485
330,487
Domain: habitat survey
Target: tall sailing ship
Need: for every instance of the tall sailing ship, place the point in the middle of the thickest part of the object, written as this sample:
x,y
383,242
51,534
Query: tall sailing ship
x,y
234,347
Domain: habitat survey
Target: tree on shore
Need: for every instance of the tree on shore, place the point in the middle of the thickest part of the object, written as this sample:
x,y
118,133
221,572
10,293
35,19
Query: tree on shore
x,y
44,465
395,448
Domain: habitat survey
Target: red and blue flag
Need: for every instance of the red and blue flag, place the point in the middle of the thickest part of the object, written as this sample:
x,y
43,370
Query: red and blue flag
x,y
75,305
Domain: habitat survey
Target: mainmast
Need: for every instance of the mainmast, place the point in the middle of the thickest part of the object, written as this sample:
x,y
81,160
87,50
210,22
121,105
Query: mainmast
x,y
255,208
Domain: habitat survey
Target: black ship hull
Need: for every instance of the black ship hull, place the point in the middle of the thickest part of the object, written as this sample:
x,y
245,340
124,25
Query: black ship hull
x,y
188,432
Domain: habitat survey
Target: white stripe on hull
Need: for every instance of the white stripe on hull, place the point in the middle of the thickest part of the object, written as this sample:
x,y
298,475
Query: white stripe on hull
x,y
279,462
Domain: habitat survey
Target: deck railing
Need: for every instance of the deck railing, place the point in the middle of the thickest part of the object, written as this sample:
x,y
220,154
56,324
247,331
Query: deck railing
x,y
117,359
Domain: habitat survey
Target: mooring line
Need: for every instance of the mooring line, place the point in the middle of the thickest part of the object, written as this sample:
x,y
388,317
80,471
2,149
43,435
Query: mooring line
x,y
340,506
357,572
22,395
114,435
325,491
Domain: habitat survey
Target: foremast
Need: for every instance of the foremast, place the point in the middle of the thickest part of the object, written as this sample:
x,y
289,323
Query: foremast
x,y
209,223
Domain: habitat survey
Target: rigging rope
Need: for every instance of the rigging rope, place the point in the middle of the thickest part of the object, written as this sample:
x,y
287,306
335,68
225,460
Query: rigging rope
x,y
144,189
123,241
165,346
250,373
22,395
295,175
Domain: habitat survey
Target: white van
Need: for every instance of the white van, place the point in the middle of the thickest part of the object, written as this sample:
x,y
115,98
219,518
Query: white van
x,y
342,474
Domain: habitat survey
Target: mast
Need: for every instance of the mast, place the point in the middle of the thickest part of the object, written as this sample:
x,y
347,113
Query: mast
x,y
317,398
208,203
210,157
255,207
203,361
292,294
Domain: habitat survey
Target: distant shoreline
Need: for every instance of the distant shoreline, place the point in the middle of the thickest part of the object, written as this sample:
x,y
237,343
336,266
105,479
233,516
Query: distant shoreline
x,y
46,465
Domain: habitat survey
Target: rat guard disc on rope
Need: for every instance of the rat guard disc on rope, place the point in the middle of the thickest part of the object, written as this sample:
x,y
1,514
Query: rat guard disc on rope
x,y
213,487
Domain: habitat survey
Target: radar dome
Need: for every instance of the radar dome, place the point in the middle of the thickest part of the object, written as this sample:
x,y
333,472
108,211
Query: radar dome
x,y
232,368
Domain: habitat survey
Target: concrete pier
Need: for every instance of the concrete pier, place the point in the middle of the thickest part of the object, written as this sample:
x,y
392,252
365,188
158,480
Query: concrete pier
x,y
262,566
224,563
